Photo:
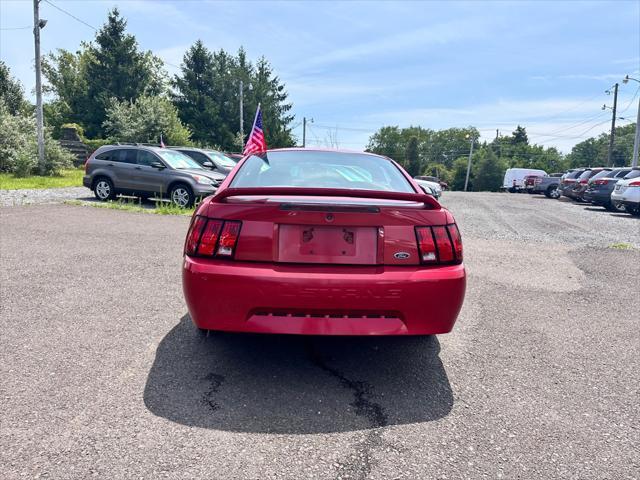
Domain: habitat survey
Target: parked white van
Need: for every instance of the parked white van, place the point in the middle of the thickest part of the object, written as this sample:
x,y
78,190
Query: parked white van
x,y
514,178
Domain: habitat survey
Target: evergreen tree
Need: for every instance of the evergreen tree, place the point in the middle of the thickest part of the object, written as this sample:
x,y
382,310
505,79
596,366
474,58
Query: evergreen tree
x,y
194,95
207,98
519,136
117,69
488,170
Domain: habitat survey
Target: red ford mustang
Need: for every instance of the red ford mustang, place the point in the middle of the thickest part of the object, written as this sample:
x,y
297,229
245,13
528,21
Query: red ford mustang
x,y
315,242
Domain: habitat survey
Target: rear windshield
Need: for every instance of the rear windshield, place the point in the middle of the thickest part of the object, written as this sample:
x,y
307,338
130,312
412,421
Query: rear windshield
x,y
586,174
603,173
575,174
312,169
632,174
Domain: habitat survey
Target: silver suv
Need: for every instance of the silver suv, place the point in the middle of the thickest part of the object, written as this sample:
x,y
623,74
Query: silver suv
x,y
148,171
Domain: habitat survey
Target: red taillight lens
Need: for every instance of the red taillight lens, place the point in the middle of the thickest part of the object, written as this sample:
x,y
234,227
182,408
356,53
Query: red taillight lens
x,y
441,244
211,237
193,236
426,245
583,182
228,239
600,182
635,183
454,233
444,244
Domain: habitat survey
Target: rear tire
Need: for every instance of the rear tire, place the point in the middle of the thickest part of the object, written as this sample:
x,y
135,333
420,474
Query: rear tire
x,y
549,191
182,196
103,189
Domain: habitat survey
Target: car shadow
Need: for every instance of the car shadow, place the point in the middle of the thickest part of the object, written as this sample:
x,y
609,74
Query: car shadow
x,y
296,384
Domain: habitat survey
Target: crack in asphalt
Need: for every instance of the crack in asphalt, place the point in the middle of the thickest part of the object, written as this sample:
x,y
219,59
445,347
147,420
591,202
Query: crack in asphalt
x,y
216,382
360,464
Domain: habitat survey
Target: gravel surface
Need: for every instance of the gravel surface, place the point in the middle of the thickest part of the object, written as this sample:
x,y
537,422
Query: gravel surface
x,y
102,375
9,198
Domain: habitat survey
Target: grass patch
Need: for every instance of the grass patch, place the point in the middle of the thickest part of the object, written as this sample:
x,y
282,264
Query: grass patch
x,y
621,246
161,208
71,177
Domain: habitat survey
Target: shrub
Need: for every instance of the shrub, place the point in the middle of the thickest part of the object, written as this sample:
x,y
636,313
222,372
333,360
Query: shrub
x,y
144,120
18,146
24,163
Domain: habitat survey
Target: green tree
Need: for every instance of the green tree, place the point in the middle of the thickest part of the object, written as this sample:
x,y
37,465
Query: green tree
x,y
207,97
412,161
459,174
194,95
519,136
488,170
11,92
85,82
144,120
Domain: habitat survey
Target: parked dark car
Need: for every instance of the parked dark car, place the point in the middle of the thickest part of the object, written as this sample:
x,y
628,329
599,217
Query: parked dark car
x,y
219,161
582,182
148,171
568,179
601,185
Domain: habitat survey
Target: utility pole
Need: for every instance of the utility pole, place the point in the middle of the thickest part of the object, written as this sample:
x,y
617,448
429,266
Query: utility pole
x,y
37,25
304,130
241,111
466,180
613,126
636,142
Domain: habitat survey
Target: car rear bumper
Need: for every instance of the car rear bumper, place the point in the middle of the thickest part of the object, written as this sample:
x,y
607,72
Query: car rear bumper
x,y
86,181
322,300
597,197
630,195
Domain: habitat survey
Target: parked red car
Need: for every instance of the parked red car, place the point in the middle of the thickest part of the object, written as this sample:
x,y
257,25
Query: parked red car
x,y
302,241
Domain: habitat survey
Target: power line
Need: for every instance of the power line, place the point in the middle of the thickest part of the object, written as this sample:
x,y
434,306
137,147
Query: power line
x,y
70,14
16,28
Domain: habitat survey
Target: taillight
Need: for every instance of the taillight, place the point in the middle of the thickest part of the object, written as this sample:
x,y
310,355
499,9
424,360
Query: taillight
x,y
86,166
583,182
210,237
441,244
426,245
454,233
600,182
228,239
635,183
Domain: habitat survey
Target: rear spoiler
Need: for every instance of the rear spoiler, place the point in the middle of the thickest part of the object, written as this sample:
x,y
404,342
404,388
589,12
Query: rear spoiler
x,y
428,200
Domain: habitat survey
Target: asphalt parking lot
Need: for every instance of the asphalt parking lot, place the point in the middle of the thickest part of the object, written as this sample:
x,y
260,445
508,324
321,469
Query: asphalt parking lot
x,y
103,376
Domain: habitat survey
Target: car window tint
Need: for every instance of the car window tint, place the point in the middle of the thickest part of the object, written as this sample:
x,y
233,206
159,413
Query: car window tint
x,y
128,155
146,158
621,173
632,174
105,155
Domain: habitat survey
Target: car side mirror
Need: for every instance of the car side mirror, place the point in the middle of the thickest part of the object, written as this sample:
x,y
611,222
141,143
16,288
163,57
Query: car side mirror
x,y
424,189
207,165
159,165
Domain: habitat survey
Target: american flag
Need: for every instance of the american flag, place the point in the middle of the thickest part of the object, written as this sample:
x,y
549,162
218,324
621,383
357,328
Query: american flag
x,y
256,142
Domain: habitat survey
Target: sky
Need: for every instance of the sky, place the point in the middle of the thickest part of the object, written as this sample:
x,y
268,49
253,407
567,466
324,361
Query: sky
x,y
353,66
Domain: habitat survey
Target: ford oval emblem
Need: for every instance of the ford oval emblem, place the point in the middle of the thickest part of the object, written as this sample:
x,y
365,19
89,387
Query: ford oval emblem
x,y
401,255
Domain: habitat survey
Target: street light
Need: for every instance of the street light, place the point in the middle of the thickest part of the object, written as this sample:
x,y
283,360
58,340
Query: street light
x,y
636,142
